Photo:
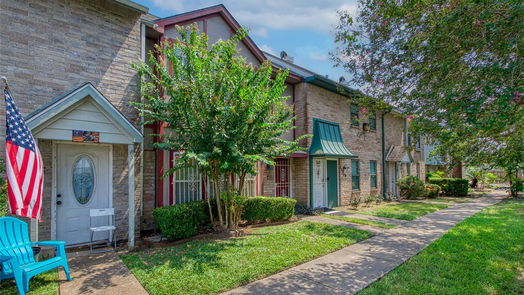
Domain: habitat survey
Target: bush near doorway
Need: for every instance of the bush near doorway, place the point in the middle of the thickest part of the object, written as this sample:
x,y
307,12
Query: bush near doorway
x,y
184,220
452,186
411,187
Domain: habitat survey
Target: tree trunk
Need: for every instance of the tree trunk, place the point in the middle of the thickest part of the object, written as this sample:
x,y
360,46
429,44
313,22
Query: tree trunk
x,y
206,189
216,183
241,181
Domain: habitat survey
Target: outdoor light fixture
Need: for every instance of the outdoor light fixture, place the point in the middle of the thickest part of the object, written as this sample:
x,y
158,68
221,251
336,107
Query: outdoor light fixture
x,y
344,170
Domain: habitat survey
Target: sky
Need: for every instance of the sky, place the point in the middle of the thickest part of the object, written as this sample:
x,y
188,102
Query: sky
x,y
302,28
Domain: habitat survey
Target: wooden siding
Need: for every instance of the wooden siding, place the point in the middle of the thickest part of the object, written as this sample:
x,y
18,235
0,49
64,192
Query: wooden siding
x,y
84,116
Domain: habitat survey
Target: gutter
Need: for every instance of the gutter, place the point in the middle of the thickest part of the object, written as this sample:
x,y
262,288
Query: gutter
x,y
132,5
332,86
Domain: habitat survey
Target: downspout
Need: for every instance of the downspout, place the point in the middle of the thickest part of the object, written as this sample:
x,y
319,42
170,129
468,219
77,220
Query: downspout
x,y
383,156
143,59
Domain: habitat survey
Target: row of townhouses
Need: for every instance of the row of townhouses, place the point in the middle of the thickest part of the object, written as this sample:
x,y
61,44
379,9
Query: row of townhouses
x,y
68,66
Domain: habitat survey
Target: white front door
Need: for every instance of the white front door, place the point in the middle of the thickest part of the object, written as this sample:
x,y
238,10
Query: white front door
x,y
82,183
392,178
319,183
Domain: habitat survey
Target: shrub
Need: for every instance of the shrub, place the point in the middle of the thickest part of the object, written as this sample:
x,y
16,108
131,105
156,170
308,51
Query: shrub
x,y
355,201
182,220
411,187
432,190
369,199
305,210
378,199
435,174
451,186
262,209
235,208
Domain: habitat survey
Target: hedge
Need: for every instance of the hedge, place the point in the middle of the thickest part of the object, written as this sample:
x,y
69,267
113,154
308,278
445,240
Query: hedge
x,y
262,209
451,186
182,220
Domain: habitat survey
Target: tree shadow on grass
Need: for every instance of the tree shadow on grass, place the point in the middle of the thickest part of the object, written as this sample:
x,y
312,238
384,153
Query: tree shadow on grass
x,y
43,284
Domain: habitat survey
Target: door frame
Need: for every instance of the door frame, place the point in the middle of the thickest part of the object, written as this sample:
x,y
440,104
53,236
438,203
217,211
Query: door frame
x,y
324,168
393,167
54,182
312,182
338,181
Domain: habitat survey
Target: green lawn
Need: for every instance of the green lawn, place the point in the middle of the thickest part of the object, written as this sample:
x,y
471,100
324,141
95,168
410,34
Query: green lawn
x,y
404,211
359,221
484,254
44,284
208,267
452,199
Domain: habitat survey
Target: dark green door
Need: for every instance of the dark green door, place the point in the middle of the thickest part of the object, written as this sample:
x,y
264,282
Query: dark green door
x,y
332,183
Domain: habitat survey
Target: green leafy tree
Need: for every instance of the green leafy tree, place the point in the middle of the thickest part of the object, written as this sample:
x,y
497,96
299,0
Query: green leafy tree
x,y
225,114
456,65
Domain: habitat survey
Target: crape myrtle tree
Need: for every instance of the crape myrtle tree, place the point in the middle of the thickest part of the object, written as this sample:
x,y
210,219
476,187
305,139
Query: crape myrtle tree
x,y
457,66
224,114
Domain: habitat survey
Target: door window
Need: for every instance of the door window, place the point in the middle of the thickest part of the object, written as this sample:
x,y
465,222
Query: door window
x,y
83,179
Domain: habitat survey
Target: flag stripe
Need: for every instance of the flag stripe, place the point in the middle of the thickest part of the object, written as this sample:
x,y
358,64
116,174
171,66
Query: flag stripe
x,y
24,166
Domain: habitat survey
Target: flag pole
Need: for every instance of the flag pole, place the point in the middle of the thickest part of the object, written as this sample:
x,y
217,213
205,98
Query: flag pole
x,y
4,79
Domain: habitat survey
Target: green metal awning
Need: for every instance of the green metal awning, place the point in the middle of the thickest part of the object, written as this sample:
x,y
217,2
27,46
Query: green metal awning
x,y
327,141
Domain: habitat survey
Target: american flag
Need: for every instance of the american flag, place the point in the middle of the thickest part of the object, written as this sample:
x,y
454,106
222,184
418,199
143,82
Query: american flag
x,y
24,167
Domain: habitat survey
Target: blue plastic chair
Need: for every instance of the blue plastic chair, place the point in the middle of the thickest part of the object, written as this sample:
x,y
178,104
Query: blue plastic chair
x,y
17,258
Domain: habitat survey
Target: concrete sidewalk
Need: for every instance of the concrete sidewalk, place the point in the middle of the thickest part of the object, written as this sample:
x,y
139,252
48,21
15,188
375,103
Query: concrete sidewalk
x,y
99,274
353,268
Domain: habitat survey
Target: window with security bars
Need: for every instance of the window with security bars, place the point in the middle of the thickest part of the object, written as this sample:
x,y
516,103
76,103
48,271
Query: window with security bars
x,y
187,185
282,178
373,174
249,189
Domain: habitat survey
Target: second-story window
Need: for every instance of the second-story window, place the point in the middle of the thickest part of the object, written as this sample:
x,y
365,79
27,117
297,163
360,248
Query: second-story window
x,y
354,109
372,121
355,175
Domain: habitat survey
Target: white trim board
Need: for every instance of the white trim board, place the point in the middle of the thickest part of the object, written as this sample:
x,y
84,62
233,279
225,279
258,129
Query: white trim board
x,y
53,181
43,116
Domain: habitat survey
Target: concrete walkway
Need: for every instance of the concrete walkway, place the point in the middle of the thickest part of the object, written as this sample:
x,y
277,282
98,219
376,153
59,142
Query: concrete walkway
x,y
99,274
353,268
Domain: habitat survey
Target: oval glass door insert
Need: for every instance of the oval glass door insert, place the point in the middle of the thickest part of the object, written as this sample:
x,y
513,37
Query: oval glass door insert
x,y
83,179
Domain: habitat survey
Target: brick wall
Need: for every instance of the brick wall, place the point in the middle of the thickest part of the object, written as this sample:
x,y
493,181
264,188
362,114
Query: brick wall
x,y
48,48
44,227
148,203
315,102
326,105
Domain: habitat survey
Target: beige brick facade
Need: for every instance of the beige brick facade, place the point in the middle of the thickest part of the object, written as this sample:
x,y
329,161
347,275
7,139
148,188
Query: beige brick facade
x,y
313,102
48,48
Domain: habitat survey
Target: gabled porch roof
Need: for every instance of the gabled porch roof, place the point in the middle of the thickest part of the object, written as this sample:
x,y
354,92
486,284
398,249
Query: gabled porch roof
x,y
61,104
